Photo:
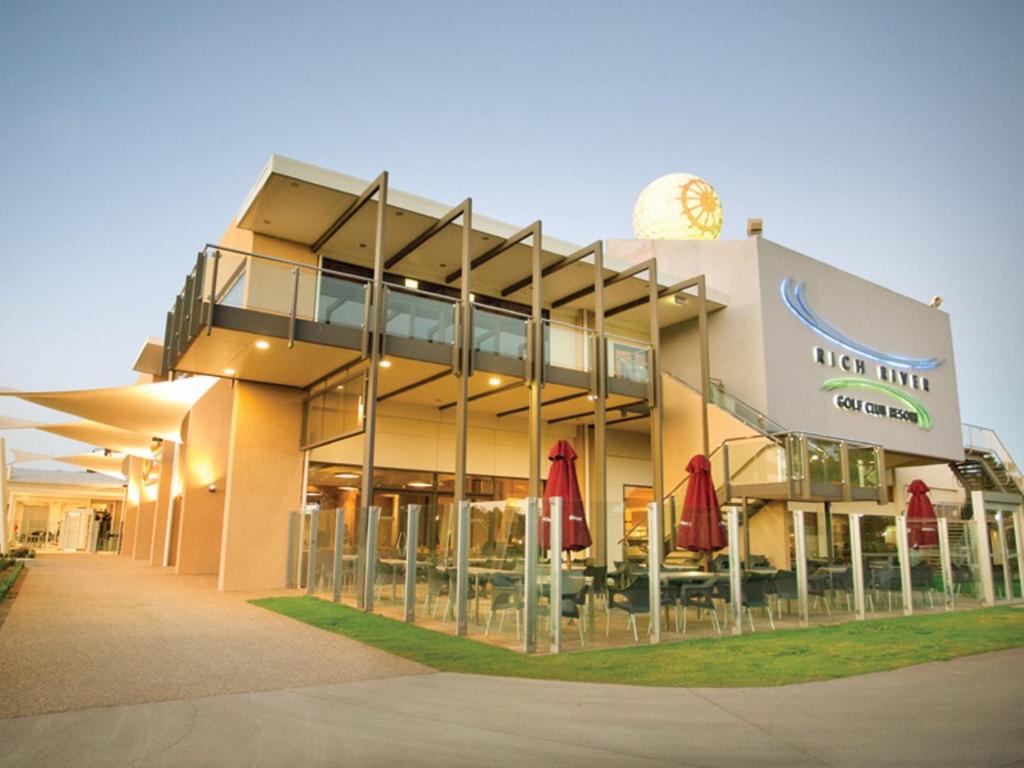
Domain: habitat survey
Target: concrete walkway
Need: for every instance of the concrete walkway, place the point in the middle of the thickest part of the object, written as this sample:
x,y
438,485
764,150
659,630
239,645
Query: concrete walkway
x,y
97,630
178,641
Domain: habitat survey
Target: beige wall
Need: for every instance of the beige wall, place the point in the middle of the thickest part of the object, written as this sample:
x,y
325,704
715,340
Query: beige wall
x,y
131,509
204,463
768,534
264,484
144,523
165,489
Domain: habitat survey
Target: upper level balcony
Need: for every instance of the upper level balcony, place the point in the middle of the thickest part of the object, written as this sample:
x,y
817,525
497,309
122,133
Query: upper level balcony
x,y
261,318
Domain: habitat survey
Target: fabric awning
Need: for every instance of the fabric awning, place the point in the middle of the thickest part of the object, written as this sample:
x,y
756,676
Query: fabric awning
x,y
26,457
154,410
107,464
104,436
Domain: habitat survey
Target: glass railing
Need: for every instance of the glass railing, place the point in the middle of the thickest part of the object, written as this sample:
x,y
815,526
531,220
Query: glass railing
x,y
276,286
745,413
757,460
414,314
568,346
825,462
864,468
984,439
629,359
499,332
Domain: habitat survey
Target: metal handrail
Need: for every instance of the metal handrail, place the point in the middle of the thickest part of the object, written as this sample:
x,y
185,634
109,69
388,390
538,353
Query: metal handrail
x,y
501,311
278,260
420,292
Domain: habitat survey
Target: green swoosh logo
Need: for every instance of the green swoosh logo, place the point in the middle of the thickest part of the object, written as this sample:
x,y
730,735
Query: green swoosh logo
x,y
924,419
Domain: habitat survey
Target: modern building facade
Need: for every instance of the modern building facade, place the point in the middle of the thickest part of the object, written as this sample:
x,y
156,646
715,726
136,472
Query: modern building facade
x,y
381,357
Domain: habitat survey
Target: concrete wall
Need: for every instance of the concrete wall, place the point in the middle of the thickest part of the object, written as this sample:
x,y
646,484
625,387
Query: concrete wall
x,y
264,484
205,463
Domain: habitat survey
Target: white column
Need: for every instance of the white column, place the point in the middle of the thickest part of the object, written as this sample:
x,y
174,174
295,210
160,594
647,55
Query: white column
x,y
903,548
988,592
555,591
946,563
462,569
175,469
654,539
857,565
412,535
735,569
800,546
530,549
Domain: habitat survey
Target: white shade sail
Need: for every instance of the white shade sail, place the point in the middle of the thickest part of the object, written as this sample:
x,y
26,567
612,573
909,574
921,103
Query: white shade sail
x,y
107,464
26,457
9,422
104,436
154,410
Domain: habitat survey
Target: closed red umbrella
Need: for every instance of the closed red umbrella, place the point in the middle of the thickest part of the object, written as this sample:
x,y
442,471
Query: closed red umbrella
x,y
922,529
700,526
562,483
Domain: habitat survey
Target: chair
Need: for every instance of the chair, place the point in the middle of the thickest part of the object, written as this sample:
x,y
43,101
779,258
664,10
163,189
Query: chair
x,y
574,595
506,594
886,579
699,595
633,599
755,592
922,579
437,587
842,582
598,575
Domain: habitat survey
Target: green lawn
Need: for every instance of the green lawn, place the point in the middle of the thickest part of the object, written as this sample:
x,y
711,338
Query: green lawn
x,y
767,658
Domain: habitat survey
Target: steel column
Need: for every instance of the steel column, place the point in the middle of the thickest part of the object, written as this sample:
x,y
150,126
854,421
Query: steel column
x,y
735,570
530,550
946,564
903,548
370,579
800,546
857,564
654,537
462,569
555,590
984,553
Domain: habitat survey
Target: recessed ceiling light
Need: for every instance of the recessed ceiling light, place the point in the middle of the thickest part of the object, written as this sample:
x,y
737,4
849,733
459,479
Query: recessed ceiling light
x,y
295,183
346,475
230,371
418,484
362,245
486,237
399,213
347,488
494,381
591,398
340,387
442,264
262,344
411,282
385,363
266,221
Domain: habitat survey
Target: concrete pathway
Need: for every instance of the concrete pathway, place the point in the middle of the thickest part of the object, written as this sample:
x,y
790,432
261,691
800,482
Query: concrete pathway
x,y
97,630
961,713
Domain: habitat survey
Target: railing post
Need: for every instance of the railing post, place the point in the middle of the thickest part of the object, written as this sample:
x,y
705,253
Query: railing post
x,y
412,535
530,576
903,549
800,546
213,292
555,591
370,581
314,517
844,463
1018,535
857,564
294,547
654,541
946,564
735,570
295,308
1004,551
339,553
462,569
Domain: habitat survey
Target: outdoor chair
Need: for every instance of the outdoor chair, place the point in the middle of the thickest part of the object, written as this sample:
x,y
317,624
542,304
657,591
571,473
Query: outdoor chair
x,y
755,591
506,595
699,595
886,580
438,586
962,575
842,583
922,579
598,575
633,599
574,596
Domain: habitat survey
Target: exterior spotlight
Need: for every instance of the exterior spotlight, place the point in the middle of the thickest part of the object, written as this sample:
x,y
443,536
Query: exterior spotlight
x,y
755,227
385,363
230,371
261,344
936,302
494,381
681,299
212,487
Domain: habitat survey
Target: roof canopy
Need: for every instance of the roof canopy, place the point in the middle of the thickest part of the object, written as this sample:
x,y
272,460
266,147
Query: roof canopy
x,y
147,410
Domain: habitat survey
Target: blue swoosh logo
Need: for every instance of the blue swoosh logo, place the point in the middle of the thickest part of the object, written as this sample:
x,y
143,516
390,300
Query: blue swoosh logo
x,y
794,299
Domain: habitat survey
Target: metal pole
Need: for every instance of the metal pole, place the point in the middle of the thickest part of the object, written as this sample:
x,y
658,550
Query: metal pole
x,y
463,368
903,549
462,569
735,570
988,592
705,362
555,591
339,554
370,580
800,542
857,564
314,525
1018,535
412,536
598,507
4,533
654,538
947,564
530,549
746,533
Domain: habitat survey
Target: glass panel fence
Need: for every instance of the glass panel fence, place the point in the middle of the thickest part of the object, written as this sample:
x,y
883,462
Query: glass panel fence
x,y
863,466
499,332
322,570
628,359
1013,555
567,346
341,300
999,554
417,315
825,460
963,553
756,461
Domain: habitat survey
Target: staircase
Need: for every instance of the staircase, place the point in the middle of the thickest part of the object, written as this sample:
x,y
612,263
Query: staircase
x,y
987,465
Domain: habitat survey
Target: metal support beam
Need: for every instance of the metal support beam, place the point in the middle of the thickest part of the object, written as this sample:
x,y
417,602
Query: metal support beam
x,y
562,263
377,185
984,554
515,239
437,227
530,566
311,558
555,586
946,563
370,579
1004,553
800,547
654,538
598,506
462,569
463,352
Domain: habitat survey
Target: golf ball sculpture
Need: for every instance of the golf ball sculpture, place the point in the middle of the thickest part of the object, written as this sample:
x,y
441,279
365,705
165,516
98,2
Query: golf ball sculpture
x,y
678,206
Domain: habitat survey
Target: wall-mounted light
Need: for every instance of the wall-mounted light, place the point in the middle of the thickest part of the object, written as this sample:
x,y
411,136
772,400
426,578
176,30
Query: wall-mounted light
x,y
212,487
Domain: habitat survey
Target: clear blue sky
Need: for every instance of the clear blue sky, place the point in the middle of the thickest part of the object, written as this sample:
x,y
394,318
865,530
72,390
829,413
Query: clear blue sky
x,y
884,138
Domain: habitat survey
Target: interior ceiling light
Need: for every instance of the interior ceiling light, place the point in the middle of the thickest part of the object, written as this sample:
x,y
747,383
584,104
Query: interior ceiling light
x,y
348,488
346,475
385,363
418,484
230,371
412,282
261,344
494,381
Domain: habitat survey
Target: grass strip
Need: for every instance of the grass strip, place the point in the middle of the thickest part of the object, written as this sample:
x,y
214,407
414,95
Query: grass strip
x,y
10,577
764,659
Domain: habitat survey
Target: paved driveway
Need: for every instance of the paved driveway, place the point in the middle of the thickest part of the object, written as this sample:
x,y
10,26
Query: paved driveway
x,y
960,713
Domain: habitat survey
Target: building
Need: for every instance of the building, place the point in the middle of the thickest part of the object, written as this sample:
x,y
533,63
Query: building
x,y
389,369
